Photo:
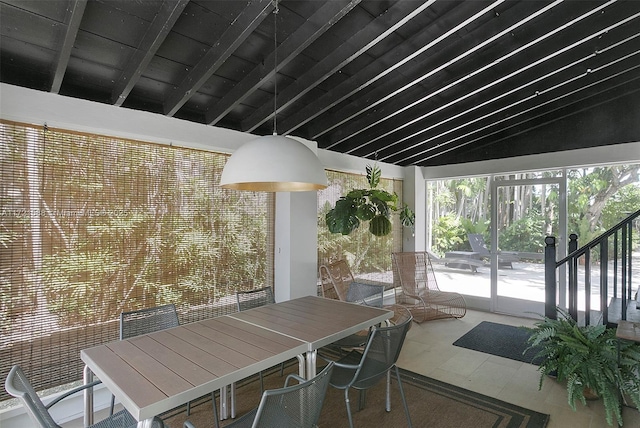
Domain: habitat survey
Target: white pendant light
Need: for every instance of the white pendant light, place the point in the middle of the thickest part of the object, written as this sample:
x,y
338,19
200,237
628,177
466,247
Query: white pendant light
x,y
274,163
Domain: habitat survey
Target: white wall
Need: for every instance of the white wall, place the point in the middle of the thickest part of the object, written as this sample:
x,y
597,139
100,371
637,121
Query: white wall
x,y
296,214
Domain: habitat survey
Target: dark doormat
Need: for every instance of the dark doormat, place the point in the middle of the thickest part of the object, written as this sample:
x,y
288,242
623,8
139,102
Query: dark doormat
x,y
499,339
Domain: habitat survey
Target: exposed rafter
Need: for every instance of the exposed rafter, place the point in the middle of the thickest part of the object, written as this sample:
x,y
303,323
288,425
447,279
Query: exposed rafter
x,y
405,82
379,28
162,24
72,20
321,21
241,28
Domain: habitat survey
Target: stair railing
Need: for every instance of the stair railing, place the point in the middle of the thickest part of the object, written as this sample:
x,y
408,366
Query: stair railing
x,y
621,271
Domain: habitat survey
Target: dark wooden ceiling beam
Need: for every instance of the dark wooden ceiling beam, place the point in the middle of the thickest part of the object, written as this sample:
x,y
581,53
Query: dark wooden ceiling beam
x,y
241,27
533,111
73,18
384,66
608,120
378,29
167,15
321,21
445,125
475,42
553,72
380,119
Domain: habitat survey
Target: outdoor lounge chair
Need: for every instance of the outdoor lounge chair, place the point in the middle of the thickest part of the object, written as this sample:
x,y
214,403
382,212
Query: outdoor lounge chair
x,y
338,283
505,258
420,292
458,260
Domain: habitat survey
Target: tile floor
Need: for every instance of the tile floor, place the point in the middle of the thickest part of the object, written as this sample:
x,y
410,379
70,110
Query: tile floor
x,y
428,350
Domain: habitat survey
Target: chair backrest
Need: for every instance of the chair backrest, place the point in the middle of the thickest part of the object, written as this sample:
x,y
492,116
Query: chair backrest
x,y
415,272
335,278
478,245
382,351
400,314
254,298
366,294
19,386
296,406
143,321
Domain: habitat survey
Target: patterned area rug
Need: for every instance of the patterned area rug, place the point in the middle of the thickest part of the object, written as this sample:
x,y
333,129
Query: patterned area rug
x,y
431,404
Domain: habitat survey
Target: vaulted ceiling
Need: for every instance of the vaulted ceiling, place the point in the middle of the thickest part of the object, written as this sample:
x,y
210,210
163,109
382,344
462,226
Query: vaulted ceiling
x,y
406,82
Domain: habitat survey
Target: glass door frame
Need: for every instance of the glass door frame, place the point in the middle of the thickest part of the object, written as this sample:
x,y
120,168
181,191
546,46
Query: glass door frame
x,y
561,182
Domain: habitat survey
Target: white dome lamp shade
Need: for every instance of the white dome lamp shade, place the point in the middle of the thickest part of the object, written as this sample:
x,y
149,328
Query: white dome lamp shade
x,y
274,163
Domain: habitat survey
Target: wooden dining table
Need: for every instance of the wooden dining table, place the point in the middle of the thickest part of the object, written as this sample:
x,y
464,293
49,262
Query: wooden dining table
x,y
154,373
317,321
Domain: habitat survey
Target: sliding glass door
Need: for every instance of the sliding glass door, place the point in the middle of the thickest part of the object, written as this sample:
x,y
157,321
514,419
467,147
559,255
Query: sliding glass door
x,y
524,211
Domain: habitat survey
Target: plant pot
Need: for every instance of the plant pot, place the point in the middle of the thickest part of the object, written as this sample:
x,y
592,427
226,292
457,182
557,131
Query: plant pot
x,y
590,394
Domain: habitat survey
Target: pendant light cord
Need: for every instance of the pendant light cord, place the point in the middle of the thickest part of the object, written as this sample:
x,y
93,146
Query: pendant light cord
x,y
275,67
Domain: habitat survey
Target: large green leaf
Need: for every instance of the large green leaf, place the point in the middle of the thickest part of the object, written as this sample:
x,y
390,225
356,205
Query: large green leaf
x,y
380,226
342,218
373,175
366,212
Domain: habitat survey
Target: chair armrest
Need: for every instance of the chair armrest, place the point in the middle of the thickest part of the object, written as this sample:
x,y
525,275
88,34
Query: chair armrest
x,y
293,377
188,424
346,366
341,364
73,391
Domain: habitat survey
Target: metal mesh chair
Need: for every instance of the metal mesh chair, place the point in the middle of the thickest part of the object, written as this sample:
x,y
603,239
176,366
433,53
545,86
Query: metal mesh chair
x,y
143,321
254,298
362,371
250,299
365,294
19,386
295,406
420,292
149,320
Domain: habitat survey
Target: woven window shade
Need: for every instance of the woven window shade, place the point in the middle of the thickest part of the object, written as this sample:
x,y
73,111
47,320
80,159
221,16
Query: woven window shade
x,y
91,226
368,256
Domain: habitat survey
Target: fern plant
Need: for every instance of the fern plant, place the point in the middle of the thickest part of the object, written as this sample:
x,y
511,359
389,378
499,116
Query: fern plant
x,y
588,357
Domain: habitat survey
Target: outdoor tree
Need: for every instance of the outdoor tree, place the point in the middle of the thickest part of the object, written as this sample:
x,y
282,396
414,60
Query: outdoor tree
x,y
594,191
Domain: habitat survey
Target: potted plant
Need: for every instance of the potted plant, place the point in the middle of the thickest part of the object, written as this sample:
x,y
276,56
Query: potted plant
x,y
589,359
373,205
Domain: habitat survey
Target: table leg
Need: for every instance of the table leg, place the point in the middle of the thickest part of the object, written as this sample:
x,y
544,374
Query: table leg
x,y
224,402
233,400
311,365
87,375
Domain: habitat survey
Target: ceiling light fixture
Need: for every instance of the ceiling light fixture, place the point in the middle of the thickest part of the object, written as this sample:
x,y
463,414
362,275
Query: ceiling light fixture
x,y
274,163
